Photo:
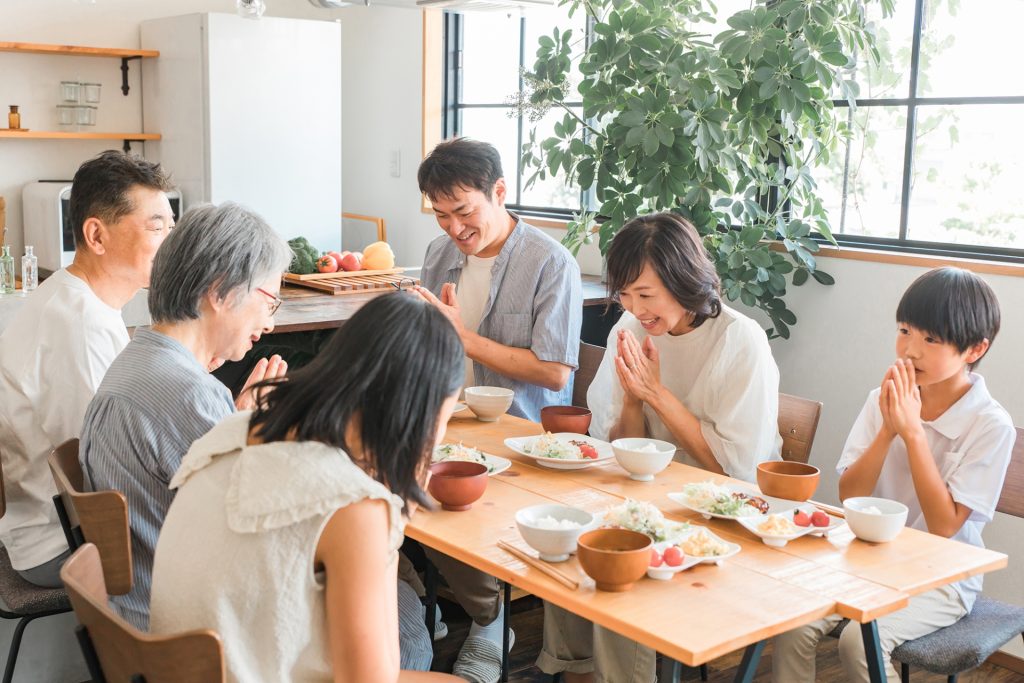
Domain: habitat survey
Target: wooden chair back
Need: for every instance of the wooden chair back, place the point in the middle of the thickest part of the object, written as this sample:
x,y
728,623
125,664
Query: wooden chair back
x,y
1011,500
117,652
798,422
100,517
3,492
590,361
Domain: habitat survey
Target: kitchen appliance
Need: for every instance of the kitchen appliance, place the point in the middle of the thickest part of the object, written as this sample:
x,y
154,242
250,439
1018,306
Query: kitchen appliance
x,y
46,206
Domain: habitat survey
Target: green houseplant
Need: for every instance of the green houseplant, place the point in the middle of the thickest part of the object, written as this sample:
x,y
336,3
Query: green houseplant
x,y
724,128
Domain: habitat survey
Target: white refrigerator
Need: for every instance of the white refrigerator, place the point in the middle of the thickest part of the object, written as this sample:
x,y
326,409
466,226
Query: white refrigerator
x,y
250,111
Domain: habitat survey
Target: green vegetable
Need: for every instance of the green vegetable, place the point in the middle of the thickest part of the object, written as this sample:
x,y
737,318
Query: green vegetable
x,y
304,256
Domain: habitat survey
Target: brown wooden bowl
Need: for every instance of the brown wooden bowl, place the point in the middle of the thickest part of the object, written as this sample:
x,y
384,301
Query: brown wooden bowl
x,y
614,558
565,419
789,480
456,484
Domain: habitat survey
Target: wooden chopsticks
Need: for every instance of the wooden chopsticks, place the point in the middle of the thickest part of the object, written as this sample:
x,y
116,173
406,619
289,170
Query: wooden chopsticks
x,y
540,565
830,509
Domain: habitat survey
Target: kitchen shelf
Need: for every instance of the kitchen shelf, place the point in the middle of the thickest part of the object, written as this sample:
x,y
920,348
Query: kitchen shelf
x,y
44,49
80,51
127,138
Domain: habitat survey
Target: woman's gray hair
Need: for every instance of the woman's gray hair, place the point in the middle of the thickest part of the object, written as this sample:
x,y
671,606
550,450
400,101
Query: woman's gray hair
x,y
213,249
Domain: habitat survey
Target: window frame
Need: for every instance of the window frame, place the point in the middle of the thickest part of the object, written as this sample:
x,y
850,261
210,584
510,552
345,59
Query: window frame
x,y
452,106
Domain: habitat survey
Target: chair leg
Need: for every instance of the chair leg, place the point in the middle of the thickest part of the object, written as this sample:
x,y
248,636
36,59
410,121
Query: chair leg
x,y
430,585
952,679
703,672
904,672
12,654
92,660
507,608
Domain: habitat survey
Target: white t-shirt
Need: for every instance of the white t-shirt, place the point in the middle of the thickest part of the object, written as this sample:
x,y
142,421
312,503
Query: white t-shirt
x,y
474,289
971,443
53,355
723,372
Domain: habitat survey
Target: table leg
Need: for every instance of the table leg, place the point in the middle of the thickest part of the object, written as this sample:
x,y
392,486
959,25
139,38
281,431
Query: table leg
x,y
430,585
748,666
507,600
671,670
873,652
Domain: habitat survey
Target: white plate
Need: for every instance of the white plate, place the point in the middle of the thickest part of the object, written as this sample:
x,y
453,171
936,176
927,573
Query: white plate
x,y
675,531
459,407
778,541
733,548
665,572
523,444
495,463
775,505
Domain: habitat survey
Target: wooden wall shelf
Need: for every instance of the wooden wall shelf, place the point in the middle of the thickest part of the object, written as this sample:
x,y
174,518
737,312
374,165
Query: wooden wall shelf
x,y
67,135
44,49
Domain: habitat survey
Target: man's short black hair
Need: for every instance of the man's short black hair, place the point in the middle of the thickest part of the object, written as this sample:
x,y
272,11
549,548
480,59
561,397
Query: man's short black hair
x,y
459,163
101,186
954,305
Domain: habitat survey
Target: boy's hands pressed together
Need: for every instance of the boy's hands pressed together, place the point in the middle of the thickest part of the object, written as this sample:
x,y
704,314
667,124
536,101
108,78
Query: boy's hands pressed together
x,y
900,401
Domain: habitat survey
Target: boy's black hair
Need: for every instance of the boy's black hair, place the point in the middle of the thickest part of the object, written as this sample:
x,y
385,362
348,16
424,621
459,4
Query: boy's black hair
x,y
101,186
954,305
675,251
392,388
459,163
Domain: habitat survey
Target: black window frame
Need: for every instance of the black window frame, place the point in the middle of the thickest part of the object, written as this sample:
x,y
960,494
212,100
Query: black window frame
x,y
453,106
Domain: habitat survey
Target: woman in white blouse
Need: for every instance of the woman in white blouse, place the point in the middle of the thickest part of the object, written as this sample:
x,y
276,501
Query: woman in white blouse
x,y
682,367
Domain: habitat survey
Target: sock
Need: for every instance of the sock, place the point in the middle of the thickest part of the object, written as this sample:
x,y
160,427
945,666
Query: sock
x,y
492,631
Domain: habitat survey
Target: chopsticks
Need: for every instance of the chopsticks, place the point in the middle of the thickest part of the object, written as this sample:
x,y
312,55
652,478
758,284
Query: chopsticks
x,y
830,509
540,565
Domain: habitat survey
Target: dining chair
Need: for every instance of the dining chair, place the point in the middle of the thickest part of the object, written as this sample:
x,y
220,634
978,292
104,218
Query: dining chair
x,y
589,361
100,517
991,624
117,652
798,422
22,600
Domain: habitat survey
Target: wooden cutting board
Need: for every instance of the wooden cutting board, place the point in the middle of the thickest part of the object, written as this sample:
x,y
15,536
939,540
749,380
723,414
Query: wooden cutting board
x,y
293,277
353,282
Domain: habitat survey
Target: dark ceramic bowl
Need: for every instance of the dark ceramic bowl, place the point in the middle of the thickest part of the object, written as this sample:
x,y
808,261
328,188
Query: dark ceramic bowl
x,y
557,419
614,558
457,485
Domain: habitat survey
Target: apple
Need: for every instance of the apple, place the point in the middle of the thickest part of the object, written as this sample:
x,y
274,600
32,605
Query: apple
x,y
801,518
819,518
655,558
351,261
337,255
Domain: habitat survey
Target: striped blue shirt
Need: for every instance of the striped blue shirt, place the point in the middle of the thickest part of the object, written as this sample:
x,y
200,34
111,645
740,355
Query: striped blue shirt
x,y
154,401
535,302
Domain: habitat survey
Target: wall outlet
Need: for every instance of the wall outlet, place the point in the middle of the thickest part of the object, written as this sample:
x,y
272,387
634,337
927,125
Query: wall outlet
x,y
395,163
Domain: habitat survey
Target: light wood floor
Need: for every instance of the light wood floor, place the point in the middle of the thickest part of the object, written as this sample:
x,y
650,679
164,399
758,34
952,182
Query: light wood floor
x,y
527,621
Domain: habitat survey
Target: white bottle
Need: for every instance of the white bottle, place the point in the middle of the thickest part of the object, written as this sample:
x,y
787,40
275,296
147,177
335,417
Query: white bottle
x,y
29,271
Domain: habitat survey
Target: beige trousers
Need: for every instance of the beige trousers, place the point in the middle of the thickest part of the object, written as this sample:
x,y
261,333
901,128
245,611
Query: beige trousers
x,y
793,652
478,592
571,643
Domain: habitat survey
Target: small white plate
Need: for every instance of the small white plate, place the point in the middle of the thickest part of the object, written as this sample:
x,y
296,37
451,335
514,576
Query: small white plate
x,y
524,444
778,541
665,572
495,463
459,407
775,505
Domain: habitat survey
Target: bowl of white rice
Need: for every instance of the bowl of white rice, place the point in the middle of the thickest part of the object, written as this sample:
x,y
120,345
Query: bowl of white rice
x,y
877,520
643,458
552,529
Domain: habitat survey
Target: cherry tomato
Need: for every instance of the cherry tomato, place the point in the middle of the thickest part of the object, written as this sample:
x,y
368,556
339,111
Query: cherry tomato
x,y
801,518
588,451
673,556
327,264
819,518
655,558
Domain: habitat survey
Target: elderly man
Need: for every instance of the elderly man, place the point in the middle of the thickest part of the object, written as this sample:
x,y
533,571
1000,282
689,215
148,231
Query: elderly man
x,y
55,351
515,296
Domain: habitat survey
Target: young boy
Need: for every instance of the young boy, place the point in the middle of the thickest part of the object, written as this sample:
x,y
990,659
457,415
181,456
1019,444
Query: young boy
x,y
933,438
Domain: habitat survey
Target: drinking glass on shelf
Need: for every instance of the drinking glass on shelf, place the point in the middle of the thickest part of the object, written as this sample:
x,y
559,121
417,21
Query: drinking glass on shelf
x,y
70,91
92,92
67,115
85,115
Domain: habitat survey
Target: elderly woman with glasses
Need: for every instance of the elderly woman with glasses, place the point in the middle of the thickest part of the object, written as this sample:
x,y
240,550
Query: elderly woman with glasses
x,y
213,293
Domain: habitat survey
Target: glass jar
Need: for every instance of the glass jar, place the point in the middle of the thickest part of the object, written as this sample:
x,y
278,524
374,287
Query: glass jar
x,y
67,114
14,118
85,115
91,91
70,91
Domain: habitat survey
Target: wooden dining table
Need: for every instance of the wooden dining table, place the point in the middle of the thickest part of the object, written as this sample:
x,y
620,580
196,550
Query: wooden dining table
x,y
709,610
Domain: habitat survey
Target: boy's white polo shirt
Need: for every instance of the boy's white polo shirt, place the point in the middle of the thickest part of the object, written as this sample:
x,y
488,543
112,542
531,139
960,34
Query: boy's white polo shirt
x,y
971,443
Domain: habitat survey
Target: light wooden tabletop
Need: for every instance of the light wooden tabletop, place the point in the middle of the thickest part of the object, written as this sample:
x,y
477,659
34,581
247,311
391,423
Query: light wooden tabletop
x,y
706,611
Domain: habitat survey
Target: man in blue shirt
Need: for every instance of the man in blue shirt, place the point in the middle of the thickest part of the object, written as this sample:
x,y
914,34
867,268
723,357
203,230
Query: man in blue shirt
x,y
515,296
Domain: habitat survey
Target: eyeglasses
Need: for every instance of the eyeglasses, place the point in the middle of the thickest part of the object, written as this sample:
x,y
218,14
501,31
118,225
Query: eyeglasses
x,y
276,301
404,284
